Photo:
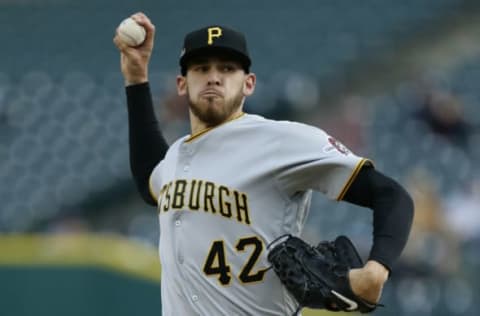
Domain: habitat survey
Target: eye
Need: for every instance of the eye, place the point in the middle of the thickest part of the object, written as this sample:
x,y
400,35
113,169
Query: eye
x,y
201,68
228,67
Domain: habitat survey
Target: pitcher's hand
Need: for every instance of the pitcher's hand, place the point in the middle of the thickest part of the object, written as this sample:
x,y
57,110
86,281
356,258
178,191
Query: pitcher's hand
x,y
367,282
134,60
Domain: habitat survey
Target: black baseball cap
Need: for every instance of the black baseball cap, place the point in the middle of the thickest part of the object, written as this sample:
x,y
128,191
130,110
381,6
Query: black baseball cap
x,y
214,40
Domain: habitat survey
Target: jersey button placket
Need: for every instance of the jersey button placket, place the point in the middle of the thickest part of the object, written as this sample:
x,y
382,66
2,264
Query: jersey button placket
x,y
178,224
189,154
178,219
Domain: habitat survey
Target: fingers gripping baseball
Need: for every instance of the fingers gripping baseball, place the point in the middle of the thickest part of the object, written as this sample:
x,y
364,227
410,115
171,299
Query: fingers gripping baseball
x,y
134,59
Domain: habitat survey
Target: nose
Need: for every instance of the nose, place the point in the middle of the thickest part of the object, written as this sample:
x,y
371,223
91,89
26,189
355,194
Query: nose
x,y
214,78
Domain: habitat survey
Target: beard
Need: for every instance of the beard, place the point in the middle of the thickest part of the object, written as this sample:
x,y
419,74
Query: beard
x,y
214,110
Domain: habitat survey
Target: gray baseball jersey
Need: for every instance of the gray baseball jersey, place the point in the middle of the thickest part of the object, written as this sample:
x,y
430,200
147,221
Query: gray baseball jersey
x,y
225,194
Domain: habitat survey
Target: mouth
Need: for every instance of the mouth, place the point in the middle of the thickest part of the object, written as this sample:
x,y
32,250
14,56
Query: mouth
x,y
210,93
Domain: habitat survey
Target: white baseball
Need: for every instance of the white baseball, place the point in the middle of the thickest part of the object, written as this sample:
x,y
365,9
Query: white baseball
x,y
131,33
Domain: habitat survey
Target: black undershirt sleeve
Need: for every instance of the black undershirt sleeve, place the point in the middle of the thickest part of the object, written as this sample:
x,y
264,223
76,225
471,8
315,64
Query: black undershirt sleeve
x,y
392,213
146,142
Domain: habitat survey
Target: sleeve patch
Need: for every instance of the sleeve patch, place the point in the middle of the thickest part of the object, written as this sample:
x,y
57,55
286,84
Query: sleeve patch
x,y
334,144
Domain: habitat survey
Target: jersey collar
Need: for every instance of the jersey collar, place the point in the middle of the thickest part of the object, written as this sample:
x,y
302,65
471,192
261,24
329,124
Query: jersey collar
x,y
195,136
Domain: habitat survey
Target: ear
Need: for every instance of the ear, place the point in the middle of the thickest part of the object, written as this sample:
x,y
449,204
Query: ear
x,y
249,84
181,85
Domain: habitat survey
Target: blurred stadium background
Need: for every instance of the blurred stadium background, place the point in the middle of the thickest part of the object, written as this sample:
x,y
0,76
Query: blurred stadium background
x,y
396,81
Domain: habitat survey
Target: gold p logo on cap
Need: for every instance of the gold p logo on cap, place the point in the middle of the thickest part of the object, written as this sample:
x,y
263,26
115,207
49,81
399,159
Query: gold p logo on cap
x,y
213,32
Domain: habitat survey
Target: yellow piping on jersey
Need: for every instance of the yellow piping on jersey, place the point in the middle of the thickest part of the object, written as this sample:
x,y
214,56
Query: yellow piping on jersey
x,y
150,188
352,177
192,137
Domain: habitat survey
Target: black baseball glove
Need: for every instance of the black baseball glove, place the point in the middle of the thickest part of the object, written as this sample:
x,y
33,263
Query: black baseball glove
x,y
318,276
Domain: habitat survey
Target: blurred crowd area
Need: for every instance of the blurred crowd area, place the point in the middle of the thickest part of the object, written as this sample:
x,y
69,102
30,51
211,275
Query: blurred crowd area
x,y
395,81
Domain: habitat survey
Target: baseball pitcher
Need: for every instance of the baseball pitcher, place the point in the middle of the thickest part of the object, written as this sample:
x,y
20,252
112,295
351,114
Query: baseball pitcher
x,y
233,195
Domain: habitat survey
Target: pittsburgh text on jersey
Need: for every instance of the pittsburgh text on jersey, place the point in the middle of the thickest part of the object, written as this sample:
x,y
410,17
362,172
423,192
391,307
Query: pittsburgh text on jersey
x,y
200,195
